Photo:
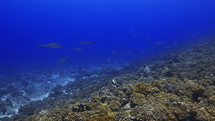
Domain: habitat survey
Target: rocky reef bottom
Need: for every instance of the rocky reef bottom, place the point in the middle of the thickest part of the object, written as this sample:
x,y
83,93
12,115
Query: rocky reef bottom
x,y
178,88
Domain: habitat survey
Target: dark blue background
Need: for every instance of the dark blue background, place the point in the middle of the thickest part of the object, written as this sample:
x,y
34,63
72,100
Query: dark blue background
x,y
114,25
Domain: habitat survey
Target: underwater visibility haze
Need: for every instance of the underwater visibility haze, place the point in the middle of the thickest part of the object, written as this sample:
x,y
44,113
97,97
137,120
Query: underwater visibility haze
x,y
53,48
120,26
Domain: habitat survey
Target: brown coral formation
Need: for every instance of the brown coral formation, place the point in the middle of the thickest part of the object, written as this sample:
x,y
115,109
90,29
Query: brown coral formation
x,y
144,88
180,90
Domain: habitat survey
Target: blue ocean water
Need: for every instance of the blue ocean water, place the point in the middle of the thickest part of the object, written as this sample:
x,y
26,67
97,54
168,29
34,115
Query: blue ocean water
x,y
120,29
95,32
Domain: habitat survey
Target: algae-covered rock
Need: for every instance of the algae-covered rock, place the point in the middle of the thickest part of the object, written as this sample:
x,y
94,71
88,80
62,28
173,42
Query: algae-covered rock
x,y
114,105
81,108
137,99
101,117
123,116
204,113
144,88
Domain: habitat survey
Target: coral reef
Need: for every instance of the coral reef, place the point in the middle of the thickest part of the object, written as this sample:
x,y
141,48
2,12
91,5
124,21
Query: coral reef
x,y
179,88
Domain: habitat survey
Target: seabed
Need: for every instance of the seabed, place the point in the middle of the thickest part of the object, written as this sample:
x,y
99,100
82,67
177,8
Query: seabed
x,y
180,87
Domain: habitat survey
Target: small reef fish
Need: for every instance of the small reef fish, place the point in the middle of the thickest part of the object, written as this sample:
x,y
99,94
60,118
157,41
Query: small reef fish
x,y
62,60
51,45
114,81
86,43
77,49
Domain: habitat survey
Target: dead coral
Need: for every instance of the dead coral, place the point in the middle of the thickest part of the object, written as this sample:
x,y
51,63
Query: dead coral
x,y
100,117
137,99
114,105
144,88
